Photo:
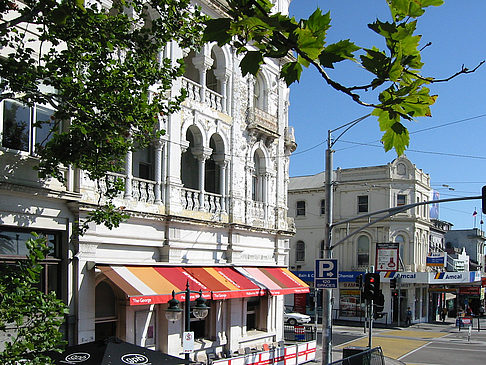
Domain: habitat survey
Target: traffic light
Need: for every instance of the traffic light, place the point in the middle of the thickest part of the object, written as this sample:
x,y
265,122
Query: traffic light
x,y
379,305
483,200
372,286
359,280
393,283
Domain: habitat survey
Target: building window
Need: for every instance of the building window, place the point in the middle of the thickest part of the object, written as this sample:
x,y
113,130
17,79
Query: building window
x,y
300,251
258,192
363,251
25,127
105,311
363,204
301,207
401,200
200,326
252,309
323,206
401,247
13,248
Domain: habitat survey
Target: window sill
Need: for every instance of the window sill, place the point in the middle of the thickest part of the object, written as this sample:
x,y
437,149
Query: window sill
x,y
255,335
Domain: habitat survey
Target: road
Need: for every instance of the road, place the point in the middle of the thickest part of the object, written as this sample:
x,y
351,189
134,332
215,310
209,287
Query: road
x,y
420,344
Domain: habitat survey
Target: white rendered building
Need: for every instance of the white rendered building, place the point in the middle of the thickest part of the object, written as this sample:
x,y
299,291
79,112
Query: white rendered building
x,y
358,191
208,206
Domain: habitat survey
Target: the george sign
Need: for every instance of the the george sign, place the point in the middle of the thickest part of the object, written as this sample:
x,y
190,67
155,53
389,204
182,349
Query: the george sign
x,y
387,256
188,342
437,259
326,274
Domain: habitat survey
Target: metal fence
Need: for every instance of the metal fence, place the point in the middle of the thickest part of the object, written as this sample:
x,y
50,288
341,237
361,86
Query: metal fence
x,y
361,356
299,333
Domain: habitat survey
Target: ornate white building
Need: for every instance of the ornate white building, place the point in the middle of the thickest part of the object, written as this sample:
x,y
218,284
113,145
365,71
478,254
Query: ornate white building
x,y
207,205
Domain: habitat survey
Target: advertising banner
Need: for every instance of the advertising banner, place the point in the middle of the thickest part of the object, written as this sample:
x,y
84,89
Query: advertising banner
x,y
387,256
437,259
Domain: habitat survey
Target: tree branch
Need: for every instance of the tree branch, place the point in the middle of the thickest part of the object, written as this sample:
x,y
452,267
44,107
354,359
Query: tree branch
x,y
464,70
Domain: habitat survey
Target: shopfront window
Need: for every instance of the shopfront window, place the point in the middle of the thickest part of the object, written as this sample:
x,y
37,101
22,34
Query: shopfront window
x,y
105,311
13,247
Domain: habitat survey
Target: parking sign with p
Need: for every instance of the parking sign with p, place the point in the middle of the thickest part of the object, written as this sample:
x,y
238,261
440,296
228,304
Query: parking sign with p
x,y
326,274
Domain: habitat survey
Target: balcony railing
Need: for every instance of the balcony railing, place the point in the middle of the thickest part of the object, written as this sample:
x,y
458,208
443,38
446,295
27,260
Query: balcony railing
x,y
143,190
193,89
258,210
212,98
263,122
190,200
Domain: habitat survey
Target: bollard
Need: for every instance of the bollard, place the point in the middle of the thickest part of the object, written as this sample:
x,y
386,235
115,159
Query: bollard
x,y
469,329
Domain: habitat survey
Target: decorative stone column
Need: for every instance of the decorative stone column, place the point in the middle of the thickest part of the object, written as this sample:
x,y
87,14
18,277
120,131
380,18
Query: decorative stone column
x,y
159,167
202,154
129,174
203,64
222,162
223,77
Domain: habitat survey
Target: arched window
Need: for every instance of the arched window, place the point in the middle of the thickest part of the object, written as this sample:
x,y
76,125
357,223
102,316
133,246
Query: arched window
x,y
105,311
300,251
212,174
363,251
401,244
257,177
190,168
211,80
259,93
191,72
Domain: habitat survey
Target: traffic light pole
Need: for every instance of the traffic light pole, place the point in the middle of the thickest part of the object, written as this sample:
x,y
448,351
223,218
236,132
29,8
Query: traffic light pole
x,y
327,252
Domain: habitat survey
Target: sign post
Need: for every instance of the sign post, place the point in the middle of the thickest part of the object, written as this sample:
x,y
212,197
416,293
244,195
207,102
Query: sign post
x,y
326,274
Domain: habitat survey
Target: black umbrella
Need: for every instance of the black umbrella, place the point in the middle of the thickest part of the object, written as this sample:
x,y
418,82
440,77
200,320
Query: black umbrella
x,y
113,351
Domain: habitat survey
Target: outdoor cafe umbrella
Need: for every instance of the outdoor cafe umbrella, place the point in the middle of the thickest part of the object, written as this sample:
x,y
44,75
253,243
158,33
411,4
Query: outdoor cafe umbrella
x,y
113,351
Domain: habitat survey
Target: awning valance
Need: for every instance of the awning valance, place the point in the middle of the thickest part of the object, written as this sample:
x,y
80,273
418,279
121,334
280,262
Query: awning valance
x,y
276,280
154,284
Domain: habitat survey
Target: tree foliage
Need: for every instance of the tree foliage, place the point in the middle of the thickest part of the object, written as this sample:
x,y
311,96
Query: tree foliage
x,y
394,72
30,317
102,71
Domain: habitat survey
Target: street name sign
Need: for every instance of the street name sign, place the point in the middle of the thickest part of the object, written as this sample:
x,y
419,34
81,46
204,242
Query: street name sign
x,y
326,274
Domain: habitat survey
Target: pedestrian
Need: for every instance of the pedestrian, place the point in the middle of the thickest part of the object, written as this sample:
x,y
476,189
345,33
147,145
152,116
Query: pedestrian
x,y
481,311
443,314
408,320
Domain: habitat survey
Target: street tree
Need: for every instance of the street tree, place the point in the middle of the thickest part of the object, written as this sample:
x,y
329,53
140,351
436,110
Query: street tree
x,y
30,319
100,68
397,92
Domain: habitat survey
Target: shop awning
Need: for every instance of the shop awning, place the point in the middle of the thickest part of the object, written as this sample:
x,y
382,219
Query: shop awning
x,y
276,280
154,284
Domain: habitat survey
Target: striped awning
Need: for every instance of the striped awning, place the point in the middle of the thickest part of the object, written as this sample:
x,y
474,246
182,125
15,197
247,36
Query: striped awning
x,y
276,280
154,284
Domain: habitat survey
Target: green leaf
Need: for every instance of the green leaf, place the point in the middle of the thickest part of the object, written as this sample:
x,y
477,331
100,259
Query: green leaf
x,y
251,62
217,30
308,43
396,137
291,72
337,52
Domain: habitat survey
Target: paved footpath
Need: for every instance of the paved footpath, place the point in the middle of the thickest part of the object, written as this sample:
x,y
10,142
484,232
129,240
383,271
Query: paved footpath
x,y
397,343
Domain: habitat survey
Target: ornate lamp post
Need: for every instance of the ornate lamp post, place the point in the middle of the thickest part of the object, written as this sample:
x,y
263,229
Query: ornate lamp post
x,y
174,312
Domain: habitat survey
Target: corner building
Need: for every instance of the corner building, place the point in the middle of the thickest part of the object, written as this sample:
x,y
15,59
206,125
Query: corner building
x,y
207,205
357,192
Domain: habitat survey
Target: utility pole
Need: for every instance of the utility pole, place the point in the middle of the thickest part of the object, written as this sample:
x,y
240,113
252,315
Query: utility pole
x,y
327,293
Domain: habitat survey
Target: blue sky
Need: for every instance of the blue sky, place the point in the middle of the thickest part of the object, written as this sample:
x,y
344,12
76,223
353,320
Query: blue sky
x,y
450,146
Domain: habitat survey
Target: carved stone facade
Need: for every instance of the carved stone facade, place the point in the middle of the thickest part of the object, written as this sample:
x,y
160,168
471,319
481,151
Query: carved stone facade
x,y
211,192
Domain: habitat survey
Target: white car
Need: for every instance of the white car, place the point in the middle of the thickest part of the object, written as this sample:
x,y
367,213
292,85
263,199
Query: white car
x,y
294,318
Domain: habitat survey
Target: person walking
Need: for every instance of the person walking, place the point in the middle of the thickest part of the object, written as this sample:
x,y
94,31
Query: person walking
x,y
443,314
408,320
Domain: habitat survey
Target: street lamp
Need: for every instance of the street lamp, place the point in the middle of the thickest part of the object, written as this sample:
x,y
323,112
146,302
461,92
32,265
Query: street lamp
x,y
174,312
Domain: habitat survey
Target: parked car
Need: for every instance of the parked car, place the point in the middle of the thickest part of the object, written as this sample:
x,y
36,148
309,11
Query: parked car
x,y
294,318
